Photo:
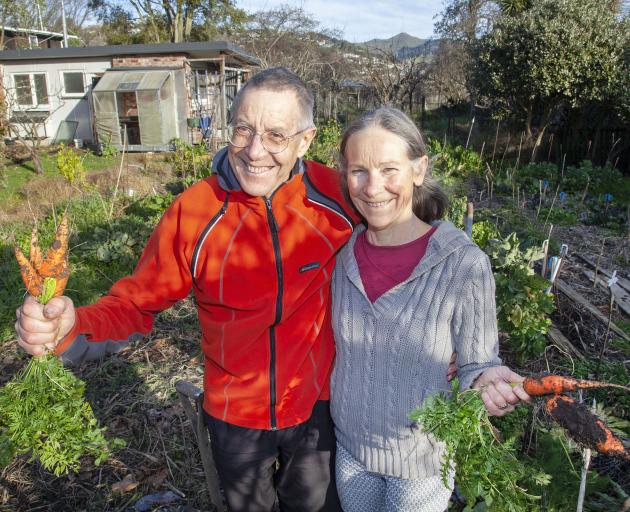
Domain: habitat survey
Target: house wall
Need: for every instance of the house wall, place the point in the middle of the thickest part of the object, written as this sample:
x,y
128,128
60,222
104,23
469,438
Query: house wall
x,y
150,61
61,106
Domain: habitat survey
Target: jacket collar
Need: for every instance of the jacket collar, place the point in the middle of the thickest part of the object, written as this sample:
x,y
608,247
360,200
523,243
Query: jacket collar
x,y
227,178
446,240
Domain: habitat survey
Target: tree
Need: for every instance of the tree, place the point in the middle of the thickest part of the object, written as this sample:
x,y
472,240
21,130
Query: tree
x,y
394,80
556,54
157,21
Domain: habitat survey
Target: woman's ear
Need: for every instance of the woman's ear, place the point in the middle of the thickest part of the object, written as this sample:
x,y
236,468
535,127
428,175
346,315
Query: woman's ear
x,y
420,166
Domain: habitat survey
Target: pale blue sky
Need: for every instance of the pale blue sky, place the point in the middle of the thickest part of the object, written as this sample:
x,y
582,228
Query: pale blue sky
x,y
361,20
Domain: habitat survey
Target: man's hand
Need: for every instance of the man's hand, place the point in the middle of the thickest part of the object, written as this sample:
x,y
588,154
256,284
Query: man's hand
x,y
451,373
497,393
40,328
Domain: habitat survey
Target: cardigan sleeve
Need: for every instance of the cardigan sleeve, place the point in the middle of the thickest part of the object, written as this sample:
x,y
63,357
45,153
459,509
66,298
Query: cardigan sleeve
x,y
475,323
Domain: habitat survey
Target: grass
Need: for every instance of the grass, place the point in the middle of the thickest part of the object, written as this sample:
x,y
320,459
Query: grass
x,y
18,175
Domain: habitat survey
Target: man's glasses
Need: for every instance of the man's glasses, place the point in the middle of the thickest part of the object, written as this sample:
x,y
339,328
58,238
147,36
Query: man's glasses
x,y
274,142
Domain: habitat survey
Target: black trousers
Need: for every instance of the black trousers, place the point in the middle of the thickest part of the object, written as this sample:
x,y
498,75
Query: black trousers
x,y
294,465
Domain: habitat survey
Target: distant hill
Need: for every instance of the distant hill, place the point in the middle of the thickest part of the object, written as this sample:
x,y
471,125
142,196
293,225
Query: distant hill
x,y
403,45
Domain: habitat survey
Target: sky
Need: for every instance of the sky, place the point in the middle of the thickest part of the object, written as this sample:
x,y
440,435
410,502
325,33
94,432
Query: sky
x,y
362,20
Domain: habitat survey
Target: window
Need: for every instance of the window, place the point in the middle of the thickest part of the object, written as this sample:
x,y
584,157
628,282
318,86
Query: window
x,y
33,42
31,89
73,83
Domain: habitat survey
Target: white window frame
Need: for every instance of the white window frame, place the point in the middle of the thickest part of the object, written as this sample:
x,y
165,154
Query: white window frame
x,y
65,94
36,105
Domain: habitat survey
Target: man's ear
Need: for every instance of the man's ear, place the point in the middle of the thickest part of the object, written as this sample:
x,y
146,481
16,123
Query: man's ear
x,y
420,166
306,137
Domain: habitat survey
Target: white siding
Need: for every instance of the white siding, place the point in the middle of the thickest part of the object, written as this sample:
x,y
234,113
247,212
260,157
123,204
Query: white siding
x,y
61,106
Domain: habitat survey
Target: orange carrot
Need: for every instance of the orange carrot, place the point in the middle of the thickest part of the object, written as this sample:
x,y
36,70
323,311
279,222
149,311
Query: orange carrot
x,y
50,275
584,426
35,254
56,262
31,278
555,384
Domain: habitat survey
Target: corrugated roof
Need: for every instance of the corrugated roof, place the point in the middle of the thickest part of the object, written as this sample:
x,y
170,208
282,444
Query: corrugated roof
x,y
149,80
204,49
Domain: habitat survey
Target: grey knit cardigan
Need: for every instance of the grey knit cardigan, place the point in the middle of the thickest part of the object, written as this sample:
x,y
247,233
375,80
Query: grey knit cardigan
x,y
394,353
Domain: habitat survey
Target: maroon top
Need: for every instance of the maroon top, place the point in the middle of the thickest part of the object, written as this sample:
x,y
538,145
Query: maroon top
x,y
383,267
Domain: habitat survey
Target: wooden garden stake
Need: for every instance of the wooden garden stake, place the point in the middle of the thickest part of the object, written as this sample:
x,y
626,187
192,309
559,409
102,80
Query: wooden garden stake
x,y
553,202
520,146
540,194
543,270
507,145
588,181
468,221
496,138
472,123
613,280
599,257
483,146
550,146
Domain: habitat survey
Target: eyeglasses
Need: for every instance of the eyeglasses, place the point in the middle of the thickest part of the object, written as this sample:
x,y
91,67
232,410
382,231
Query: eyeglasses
x,y
274,142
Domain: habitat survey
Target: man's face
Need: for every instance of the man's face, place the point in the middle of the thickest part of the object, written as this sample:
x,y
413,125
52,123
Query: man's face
x,y
259,172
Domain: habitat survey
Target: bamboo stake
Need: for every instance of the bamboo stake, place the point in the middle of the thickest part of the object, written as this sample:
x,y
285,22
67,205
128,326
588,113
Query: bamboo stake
x,y
120,168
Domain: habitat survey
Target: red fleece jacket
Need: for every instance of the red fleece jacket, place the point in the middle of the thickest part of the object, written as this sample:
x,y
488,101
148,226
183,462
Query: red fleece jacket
x,y
260,271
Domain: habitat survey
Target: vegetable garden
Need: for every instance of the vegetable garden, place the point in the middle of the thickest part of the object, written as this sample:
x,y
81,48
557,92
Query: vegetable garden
x,y
538,222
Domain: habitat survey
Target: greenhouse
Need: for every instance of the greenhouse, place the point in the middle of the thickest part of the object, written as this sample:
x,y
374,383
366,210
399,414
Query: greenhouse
x,y
139,109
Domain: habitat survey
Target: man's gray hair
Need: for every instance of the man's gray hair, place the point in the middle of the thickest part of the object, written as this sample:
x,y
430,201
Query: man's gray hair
x,y
279,79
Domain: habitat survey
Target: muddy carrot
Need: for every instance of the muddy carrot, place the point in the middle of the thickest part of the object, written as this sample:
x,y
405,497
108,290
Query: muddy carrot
x,y
542,385
35,254
56,263
31,278
583,426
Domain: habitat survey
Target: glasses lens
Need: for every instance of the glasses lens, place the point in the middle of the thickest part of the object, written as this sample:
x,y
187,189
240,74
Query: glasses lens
x,y
274,142
240,136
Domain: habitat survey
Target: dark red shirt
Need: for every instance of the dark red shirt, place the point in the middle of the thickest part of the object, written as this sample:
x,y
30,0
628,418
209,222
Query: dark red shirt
x,y
384,266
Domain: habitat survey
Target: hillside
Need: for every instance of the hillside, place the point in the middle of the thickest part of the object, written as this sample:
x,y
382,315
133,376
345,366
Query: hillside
x,y
403,45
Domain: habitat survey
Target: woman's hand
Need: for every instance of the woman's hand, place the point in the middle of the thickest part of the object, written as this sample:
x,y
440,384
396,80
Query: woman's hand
x,y
497,393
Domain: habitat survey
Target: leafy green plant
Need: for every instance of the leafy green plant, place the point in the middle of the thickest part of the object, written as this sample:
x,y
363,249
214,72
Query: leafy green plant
x,y
325,146
456,210
523,306
484,231
190,162
43,412
70,165
452,164
486,468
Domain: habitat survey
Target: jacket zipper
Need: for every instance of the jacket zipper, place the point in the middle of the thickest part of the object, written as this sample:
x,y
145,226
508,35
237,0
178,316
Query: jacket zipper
x,y
273,227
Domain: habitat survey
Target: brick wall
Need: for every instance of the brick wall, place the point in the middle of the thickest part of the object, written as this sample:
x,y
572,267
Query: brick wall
x,y
152,61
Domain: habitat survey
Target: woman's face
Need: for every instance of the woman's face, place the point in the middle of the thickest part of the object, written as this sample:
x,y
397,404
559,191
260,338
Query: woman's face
x,y
381,177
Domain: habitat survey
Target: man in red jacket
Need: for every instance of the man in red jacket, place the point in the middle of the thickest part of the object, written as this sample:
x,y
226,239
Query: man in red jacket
x,y
256,244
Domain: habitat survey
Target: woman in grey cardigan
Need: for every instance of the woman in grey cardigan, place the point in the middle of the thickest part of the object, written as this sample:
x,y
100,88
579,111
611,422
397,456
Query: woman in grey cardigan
x,y
408,290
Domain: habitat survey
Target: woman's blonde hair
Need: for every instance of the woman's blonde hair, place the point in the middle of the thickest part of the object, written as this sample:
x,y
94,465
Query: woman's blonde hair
x,y
429,202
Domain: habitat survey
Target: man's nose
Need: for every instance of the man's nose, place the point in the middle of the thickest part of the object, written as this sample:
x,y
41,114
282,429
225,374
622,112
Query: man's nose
x,y
256,150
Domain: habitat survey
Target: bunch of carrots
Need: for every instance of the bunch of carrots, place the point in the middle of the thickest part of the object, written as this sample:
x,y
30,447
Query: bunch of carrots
x,y
46,278
43,411
581,424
